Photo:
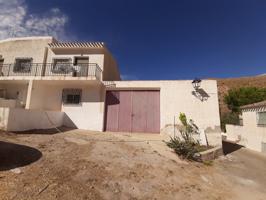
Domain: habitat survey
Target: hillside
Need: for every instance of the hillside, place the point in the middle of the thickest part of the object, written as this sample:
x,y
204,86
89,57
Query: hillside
x,y
225,84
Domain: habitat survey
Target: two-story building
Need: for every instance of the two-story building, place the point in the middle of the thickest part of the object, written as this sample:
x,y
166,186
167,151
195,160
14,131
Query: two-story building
x,y
46,83
39,73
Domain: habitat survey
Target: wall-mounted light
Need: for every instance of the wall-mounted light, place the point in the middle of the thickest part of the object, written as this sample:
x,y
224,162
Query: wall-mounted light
x,y
196,83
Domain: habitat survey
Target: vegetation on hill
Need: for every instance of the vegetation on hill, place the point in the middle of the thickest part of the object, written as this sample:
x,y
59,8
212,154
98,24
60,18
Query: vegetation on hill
x,y
235,98
233,84
224,85
244,96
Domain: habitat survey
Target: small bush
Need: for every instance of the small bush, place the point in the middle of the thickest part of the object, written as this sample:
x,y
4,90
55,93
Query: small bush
x,y
186,146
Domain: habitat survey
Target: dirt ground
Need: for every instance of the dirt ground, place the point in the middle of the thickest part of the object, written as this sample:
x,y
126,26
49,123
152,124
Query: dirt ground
x,y
92,165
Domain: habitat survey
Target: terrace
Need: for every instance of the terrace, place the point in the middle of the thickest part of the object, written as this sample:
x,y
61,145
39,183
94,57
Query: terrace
x,y
87,70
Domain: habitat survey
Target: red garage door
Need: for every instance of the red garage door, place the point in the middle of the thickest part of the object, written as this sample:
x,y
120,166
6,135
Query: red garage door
x,y
133,111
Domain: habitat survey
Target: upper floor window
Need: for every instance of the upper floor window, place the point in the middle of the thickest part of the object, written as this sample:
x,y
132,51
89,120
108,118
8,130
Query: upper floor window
x,y
261,118
22,65
61,65
72,96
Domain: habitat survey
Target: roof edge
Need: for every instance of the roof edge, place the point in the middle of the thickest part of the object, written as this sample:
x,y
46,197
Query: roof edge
x,y
254,105
28,38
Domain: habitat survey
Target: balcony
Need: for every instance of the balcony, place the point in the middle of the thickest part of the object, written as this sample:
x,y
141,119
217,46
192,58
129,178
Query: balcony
x,y
51,70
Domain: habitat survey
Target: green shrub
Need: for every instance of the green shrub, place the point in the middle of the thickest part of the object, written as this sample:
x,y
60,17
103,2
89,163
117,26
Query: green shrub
x,y
186,146
237,98
243,96
188,128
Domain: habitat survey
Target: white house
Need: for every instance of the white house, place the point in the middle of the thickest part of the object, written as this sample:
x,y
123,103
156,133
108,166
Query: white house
x,y
46,83
252,134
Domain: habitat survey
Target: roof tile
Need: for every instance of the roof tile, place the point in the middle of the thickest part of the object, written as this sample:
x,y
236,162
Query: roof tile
x,y
254,105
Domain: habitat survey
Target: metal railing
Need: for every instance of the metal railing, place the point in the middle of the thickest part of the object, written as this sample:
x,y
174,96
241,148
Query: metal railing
x,y
52,69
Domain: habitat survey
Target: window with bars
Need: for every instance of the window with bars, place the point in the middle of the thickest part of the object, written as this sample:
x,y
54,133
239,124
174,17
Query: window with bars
x,y
261,118
72,96
22,65
62,65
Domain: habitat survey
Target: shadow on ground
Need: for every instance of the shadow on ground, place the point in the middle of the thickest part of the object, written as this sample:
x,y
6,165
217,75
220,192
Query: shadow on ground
x,y
229,147
16,155
46,131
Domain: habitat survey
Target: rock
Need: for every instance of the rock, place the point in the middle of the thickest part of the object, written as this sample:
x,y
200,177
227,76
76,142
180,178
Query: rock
x,y
16,170
204,179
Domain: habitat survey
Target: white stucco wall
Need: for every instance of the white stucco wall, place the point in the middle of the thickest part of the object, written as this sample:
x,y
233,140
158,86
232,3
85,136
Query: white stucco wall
x,y
89,115
4,114
17,91
17,119
47,95
233,132
14,93
251,135
32,47
176,97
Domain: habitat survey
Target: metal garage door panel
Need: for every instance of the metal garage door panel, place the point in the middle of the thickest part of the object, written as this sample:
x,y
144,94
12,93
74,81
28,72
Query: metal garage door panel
x,y
133,111
153,112
125,111
112,110
139,115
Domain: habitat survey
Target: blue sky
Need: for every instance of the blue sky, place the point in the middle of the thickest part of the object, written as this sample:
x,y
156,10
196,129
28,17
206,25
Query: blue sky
x,y
170,39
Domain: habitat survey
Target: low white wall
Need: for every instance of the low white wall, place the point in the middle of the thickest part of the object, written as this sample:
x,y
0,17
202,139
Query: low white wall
x,y
213,138
17,119
251,135
233,132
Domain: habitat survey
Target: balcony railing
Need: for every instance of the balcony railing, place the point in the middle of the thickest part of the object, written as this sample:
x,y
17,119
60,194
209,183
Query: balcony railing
x,y
52,69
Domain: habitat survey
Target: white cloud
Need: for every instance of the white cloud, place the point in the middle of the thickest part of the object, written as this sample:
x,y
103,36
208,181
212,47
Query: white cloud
x,y
16,21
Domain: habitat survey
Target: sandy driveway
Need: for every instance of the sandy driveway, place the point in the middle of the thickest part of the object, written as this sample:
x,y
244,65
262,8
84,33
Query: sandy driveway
x,y
89,165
